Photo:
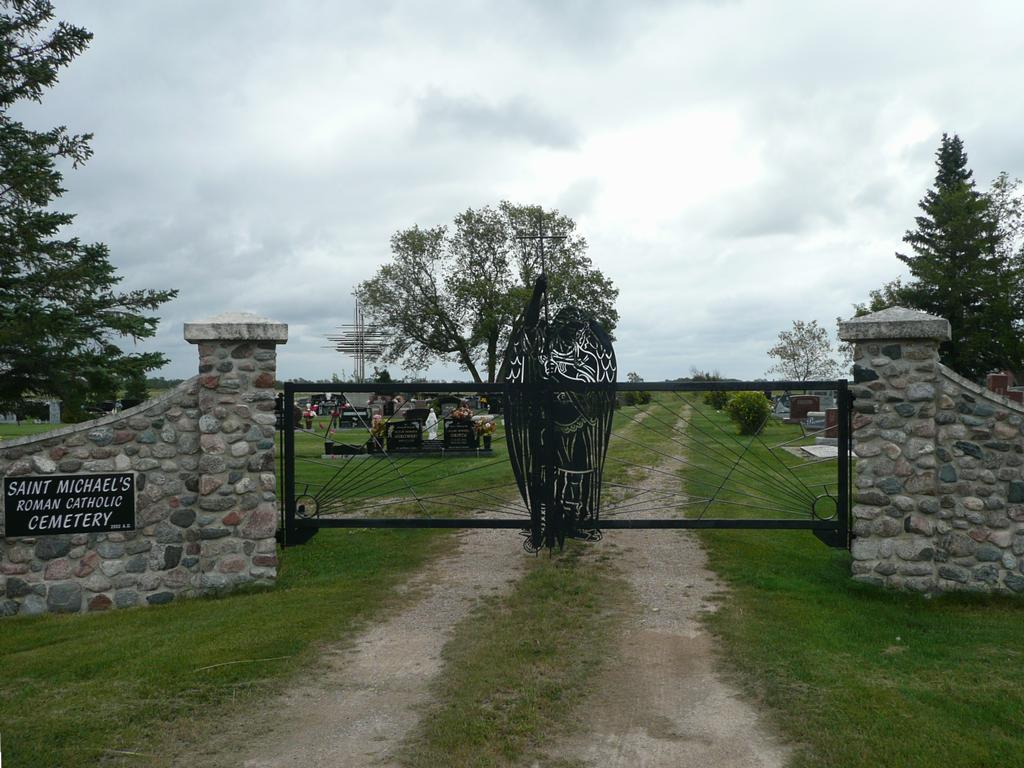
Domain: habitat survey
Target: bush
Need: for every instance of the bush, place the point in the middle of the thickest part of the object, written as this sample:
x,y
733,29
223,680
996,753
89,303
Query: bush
x,y
636,398
716,400
749,410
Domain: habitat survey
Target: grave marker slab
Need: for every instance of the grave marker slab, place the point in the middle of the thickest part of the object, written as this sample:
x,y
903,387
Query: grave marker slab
x,y
801,405
404,436
416,414
460,435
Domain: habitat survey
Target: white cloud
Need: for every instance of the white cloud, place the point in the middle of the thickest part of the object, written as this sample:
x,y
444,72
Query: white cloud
x,y
734,165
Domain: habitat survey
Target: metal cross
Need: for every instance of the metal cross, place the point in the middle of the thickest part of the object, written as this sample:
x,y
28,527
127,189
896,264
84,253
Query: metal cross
x,y
541,237
543,263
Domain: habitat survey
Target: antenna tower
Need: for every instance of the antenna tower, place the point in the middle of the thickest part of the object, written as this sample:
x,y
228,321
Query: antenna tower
x,y
359,340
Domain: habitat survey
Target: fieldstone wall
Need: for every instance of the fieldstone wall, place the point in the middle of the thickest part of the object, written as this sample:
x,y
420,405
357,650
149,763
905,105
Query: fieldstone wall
x,y
203,460
939,487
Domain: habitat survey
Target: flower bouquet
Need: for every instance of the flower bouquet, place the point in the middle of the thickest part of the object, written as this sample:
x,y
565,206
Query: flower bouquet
x,y
462,413
485,429
378,431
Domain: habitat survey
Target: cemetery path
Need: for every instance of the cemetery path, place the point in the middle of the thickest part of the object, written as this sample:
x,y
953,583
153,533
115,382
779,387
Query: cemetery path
x,y
366,696
663,702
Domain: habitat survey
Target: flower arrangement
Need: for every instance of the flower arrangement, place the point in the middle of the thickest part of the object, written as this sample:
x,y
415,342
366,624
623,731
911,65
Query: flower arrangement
x,y
462,413
484,428
378,428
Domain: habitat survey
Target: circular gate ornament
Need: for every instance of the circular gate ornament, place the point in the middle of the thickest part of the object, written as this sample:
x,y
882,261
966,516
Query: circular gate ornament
x,y
821,506
306,506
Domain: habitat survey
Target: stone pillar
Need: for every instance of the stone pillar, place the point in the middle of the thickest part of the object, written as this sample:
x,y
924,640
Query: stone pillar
x,y
897,386
235,481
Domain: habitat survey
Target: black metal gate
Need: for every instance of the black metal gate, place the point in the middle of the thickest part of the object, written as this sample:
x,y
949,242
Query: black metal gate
x,y
674,460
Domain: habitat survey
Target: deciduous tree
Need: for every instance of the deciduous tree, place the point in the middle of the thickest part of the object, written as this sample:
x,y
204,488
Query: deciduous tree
x,y
804,353
454,294
63,317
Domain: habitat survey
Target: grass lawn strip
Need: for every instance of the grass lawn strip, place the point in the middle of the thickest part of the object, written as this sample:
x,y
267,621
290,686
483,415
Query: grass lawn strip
x,y
81,690
860,676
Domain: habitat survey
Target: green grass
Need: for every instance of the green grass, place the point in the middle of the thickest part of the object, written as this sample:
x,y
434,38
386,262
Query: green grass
x,y
368,482
856,676
74,687
518,666
381,476
11,431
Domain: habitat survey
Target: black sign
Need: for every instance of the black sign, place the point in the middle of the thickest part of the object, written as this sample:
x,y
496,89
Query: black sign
x,y
459,435
55,504
405,436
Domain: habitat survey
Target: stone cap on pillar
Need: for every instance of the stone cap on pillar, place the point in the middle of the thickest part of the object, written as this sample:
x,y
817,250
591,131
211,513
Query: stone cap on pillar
x,y
895,323
236,326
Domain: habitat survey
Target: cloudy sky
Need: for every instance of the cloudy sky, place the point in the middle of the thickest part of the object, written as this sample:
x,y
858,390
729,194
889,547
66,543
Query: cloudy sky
x,y
734,165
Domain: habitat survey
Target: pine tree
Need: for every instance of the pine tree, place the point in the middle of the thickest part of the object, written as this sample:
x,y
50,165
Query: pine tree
x,y
959,272
62,314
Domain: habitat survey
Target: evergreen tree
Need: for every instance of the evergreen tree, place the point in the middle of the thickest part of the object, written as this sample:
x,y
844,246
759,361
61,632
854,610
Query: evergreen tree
x,y
62,314
960,271
135,388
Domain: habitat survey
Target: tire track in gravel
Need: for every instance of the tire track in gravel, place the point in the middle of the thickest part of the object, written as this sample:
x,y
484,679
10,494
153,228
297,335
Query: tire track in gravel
x,y
367,695
663,703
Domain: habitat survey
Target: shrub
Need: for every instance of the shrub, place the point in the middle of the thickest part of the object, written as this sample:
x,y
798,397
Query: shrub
x,y
716,400
636,398
749,410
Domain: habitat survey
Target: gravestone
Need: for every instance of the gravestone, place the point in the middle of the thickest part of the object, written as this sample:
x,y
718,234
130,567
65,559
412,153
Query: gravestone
x,y
826,398
404,436
460,435
358,399
781,406
332,448
354,417
447,404
416,414
831,422
801,405
999,383
815,421
54,411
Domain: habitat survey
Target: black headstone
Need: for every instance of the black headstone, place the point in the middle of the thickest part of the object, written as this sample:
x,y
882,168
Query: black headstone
x,y
405,436
459,435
